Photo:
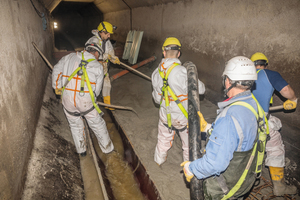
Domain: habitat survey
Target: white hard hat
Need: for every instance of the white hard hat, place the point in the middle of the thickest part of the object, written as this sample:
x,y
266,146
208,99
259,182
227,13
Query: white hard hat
x,y
94,46
240,68
93,42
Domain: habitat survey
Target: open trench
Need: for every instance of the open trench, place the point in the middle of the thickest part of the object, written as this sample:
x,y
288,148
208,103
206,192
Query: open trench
x,y
124,177
56,171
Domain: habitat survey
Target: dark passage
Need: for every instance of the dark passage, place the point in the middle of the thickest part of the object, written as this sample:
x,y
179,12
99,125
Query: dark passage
x,y
75,20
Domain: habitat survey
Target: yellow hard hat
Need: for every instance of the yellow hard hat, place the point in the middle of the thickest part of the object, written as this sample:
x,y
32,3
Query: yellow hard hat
x,y
171,41
106,26
259,59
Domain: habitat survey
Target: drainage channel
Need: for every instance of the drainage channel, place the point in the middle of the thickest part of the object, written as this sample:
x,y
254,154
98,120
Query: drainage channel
x,y
123,175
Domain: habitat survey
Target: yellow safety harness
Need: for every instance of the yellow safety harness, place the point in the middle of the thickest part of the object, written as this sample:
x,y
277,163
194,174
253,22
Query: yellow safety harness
x,y
165,90
263,131
81,70
271,100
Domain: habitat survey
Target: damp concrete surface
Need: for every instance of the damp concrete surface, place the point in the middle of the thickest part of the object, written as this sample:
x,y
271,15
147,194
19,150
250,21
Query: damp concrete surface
x,y
56,171
135,91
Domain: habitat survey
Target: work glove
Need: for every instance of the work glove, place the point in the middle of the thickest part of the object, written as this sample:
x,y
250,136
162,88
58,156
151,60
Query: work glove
x,y
290,104
188,174
203,123
58,91
114,59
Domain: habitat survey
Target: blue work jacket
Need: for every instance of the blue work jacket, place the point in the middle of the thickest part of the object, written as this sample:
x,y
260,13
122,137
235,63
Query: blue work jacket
x,y
235,129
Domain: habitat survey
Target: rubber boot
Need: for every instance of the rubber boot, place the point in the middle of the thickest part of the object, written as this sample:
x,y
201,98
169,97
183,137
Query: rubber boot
x,y
83,154
106,99
280,188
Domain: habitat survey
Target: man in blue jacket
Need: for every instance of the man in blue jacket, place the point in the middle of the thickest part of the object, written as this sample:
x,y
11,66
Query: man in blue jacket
x,y
233,139
263,89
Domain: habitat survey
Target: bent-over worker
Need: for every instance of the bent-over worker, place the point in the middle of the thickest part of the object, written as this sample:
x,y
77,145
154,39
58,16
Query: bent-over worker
x,y
78,77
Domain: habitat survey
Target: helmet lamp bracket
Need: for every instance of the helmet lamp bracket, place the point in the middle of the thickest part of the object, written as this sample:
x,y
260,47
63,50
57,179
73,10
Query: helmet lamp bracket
x,y
260,62
172,48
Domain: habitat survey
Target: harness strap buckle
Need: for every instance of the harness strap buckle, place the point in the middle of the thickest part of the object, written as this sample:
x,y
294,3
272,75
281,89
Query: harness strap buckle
x,y
166,84
83,63
259,175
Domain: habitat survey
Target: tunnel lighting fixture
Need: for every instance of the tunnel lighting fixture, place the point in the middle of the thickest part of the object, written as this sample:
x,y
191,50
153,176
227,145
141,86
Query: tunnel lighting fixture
x,y
55,25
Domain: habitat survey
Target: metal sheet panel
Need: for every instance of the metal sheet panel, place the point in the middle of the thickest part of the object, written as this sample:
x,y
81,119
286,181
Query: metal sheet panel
x,y
128,45
134,52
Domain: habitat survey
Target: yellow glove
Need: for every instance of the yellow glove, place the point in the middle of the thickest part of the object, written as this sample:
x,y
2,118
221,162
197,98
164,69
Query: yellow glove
x,y
58,91
188,174
114,59
290,104
203,123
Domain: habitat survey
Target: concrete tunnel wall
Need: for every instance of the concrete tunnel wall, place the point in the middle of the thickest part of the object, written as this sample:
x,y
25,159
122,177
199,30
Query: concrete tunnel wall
x,y
23,77
212,32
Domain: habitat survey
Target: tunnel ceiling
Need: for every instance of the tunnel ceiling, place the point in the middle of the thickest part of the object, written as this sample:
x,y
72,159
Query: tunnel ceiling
x,y
106,6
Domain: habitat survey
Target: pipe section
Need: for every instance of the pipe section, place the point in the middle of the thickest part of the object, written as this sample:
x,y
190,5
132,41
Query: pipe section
x,y
122,73
196,189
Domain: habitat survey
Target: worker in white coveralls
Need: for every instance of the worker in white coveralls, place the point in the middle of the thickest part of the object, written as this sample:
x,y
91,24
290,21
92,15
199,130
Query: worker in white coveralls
x,y
101,37
236,140
263,89
78,78
170,90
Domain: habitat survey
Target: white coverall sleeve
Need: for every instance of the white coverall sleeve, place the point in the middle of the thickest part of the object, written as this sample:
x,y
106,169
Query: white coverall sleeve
x,y
109,48
105,56
57,73
156,84
201,87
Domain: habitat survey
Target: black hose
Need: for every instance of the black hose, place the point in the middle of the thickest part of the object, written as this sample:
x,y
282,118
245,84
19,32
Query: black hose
x,y
196,189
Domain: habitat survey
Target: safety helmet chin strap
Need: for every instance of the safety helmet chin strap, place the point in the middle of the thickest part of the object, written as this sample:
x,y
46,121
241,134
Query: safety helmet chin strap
x,y
227,90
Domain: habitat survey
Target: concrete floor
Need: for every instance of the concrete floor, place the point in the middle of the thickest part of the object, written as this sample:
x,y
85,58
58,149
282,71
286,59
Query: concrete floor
x,y
142,133
53,121
134,91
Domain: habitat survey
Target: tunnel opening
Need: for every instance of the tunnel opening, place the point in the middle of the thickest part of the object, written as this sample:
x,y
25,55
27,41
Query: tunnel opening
x,y
74,22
